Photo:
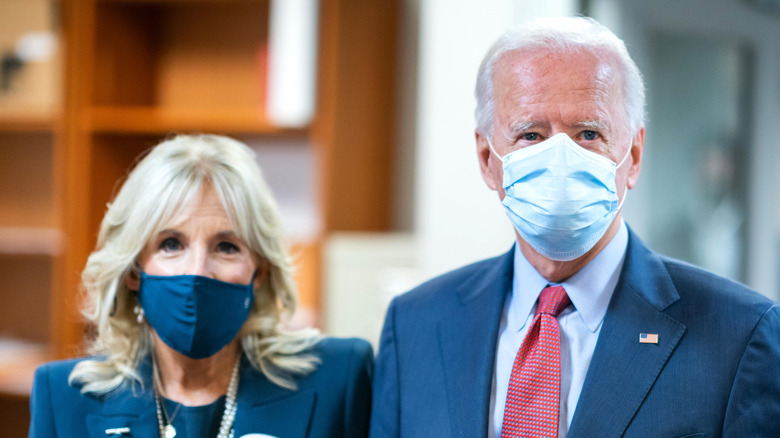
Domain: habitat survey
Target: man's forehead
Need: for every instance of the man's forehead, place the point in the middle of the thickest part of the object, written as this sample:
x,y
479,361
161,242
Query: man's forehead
x,y
577,88
538,65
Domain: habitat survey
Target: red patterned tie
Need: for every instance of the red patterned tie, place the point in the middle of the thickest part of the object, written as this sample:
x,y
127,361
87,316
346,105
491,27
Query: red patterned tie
x,y
532,401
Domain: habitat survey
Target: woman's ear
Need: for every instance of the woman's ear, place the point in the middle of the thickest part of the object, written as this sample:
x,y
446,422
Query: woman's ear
x,y
262,271
133,277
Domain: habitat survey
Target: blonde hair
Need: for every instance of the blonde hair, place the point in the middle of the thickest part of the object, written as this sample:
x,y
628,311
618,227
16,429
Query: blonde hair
x,y
155,191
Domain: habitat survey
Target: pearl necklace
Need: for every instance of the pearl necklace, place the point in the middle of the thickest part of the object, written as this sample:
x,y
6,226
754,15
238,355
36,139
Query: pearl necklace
x,y
228,415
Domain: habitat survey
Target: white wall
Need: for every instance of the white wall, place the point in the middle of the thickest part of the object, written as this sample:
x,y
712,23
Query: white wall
x,y
455,218
458,220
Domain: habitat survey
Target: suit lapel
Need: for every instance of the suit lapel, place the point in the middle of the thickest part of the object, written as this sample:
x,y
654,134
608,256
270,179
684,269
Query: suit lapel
x,y
266,408
467,338
127,408
623,370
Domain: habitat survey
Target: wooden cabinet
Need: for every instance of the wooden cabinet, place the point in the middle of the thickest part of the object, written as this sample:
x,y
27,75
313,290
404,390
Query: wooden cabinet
x,y
137,71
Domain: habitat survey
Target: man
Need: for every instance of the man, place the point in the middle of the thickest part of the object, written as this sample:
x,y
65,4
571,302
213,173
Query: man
x,y
625,342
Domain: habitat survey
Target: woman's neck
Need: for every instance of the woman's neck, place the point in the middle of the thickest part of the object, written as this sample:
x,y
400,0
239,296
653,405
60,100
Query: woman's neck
x,y
194,382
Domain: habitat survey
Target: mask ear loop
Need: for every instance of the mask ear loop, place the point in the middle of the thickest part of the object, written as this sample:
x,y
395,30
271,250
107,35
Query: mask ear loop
x,y
625,191
490,145
628,152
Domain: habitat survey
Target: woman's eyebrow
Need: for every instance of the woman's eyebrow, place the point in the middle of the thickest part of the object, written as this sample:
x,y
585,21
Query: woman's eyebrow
x,y
227,234
170,232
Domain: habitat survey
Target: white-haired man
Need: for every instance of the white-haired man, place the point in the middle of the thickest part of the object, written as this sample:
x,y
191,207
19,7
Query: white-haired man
x,y
579,330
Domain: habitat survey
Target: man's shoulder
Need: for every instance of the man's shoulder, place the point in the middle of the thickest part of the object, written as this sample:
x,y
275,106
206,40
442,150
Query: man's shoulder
x,y
705,289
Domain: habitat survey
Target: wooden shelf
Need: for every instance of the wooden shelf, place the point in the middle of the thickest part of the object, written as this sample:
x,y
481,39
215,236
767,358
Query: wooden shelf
x,y
160,120
180,1
26,120
30,241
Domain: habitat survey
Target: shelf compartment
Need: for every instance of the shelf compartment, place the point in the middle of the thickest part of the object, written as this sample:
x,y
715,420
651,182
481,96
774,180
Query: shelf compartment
x,y
181,54
25,305
26,180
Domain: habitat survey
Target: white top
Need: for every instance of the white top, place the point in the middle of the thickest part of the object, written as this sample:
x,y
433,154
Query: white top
x,y
590,290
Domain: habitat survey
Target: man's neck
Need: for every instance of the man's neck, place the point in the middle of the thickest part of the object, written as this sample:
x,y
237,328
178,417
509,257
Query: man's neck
x,y
558,271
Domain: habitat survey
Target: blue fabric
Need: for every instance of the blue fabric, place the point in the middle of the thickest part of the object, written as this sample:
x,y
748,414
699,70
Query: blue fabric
x,y
714,372
195,315
196,421
333,401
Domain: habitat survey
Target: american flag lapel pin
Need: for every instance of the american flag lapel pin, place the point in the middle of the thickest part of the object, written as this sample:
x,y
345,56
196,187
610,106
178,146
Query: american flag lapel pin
x,y
648,338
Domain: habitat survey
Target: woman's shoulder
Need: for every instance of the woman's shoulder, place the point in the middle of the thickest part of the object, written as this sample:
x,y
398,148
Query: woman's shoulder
x,y
52,391
57,371
340,348
340,361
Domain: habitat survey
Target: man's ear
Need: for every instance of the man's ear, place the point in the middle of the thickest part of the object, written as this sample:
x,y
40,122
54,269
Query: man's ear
x,y
484,155
637,149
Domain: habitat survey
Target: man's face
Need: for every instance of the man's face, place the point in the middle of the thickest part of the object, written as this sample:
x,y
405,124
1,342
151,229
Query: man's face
x,y
540,94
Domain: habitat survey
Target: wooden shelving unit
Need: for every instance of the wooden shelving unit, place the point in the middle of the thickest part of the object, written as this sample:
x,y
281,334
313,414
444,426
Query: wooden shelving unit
x,y
136,71
30,234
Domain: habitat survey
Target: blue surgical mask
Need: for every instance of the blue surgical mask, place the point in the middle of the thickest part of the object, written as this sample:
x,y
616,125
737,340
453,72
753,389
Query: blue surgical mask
x,y
196,316
560,197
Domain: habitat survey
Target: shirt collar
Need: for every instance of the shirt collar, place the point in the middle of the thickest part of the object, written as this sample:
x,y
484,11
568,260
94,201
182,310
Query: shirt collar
x,y
590,289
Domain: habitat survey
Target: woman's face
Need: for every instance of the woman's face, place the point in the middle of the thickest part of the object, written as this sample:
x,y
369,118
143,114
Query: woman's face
x,y
200,241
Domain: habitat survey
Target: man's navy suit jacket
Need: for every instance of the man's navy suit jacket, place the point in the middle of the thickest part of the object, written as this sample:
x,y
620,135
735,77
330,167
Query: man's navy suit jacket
x,y
715,370
333,401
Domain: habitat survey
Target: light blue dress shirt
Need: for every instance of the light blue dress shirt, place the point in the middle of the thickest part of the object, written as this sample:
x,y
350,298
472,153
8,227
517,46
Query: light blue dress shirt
x,y
590,290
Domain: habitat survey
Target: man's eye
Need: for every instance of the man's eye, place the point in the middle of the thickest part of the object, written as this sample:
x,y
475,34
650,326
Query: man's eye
x,y
170,244
590,135
227,247
530,136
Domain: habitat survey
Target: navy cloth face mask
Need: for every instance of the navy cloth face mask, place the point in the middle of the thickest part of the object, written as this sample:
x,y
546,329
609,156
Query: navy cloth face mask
x,y
196,316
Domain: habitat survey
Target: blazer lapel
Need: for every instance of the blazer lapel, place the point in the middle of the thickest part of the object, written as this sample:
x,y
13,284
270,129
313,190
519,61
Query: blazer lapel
x,y
623,370
268,409
468,346
127,408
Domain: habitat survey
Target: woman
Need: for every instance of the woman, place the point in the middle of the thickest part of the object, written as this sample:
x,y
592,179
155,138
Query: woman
x,y
187,289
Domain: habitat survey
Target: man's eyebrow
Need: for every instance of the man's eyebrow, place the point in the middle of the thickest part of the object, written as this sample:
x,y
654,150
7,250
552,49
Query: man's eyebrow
x,y
522,126
596,125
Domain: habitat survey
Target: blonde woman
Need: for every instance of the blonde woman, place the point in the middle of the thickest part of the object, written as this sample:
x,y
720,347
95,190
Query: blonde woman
x,y
187,289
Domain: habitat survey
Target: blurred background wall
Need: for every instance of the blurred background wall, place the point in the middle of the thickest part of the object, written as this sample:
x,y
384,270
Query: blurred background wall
x,y
708,190
367,139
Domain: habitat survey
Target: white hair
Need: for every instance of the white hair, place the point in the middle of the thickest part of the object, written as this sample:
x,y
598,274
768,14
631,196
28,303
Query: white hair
x,y
562,34
162,183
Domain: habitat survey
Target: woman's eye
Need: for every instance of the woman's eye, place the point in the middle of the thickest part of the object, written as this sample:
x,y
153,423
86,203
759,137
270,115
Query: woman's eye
x,y
590,135
227,247
170,244
530,136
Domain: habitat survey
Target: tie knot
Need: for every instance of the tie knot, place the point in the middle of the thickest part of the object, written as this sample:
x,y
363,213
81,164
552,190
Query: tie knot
x,y
552,300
